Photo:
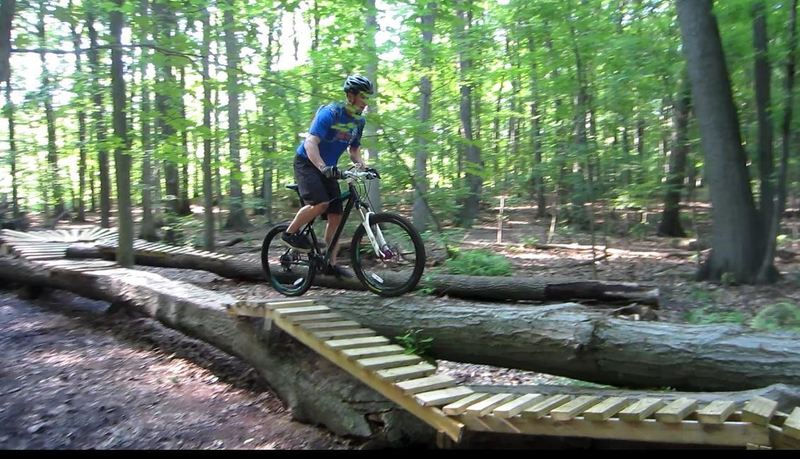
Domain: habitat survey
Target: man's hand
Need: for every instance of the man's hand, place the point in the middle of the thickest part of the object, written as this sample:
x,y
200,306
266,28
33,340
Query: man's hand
x,y
331,172
360,165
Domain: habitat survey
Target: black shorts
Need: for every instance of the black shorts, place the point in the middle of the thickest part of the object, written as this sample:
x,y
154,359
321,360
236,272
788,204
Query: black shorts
x,y
315,187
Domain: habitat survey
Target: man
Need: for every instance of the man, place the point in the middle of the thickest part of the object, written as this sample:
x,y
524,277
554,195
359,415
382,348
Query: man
x,y
335,127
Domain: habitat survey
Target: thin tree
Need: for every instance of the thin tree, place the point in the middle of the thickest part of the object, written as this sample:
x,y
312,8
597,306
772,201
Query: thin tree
x,y
147,226
98,120
76,45
670,224
237,219
122,157
421,213
208,192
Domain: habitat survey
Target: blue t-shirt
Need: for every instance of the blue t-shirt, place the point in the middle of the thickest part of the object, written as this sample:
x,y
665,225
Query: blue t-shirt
x,y
337,130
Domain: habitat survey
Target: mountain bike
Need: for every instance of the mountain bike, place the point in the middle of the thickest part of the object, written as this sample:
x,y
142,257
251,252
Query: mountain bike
x,y
386,252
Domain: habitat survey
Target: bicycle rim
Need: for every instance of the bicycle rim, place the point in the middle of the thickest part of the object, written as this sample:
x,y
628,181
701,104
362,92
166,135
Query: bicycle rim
x,y
398,267
288,270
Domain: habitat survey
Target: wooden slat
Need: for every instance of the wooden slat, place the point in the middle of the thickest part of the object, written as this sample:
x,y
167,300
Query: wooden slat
x,y
543,407
288,304
435,382
791,426
357,342
514,407
716,412
462,404
288,312
315,317
641,409
442,396
389,361
607,408
484,407
331,325
574,407
344,334
410,372
676,411
373,351
759,410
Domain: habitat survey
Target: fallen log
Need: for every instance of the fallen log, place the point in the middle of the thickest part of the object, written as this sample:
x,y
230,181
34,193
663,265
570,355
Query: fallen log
x,y
468,287
581,343
316,391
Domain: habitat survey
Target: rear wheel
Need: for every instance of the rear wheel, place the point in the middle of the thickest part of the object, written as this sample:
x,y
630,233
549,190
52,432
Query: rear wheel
x,y
288,270
397,267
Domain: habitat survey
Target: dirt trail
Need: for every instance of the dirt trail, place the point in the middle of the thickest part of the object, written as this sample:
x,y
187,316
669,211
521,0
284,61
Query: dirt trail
x,y
74,377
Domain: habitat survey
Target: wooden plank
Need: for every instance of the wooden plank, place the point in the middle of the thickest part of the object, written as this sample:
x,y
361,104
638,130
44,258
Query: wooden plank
x,y
759,410
676,411
607,408
410,372
543,407
716,412
315,317
462,404
641,409
574,407
287,304
647,430
344,334
389,361
338,325
484,407
442,397
514,407
369,341
381,381
791,426
287,312
429,383
373,351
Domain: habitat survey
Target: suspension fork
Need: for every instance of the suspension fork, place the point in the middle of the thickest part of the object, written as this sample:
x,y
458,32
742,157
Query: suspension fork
x,y
376,238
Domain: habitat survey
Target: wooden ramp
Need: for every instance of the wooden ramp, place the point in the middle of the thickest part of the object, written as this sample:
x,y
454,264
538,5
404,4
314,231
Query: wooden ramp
x,y
450,407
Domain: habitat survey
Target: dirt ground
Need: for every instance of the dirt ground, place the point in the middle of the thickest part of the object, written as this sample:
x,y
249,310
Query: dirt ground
x,y
74,377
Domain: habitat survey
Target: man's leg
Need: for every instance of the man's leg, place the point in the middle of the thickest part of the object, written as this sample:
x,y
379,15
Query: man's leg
x,y
305,215
330,230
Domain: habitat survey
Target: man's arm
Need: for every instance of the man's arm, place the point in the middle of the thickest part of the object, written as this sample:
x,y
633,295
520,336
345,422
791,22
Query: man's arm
x,y
355,156
311,144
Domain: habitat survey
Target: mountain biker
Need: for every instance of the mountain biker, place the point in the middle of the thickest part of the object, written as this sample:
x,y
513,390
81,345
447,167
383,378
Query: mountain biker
x,y
336,127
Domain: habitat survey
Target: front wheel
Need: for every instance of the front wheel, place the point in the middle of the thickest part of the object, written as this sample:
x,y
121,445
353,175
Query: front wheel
x,y
288,270
397,267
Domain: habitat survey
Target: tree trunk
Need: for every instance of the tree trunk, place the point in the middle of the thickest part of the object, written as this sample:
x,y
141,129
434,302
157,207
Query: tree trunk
x,y
7,10
98,115
237,219
766,268
474,287
370,140
147,227
12,151
670,224
184,204
738,240
208,192
472,156
53,172
762,76
579,342
122,156
420,213
537,177
76,44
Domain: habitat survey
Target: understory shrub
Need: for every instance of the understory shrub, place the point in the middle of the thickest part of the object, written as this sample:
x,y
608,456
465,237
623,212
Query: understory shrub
x,y
479,262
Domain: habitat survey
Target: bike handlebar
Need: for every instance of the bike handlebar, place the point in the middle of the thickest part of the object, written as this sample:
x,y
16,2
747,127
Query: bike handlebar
x,y
368,174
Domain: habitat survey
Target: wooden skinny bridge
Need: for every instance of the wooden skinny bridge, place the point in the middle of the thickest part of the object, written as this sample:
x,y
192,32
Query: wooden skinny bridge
x,y
438,399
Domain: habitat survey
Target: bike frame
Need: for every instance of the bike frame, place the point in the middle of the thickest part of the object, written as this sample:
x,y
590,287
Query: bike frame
x,y
353,200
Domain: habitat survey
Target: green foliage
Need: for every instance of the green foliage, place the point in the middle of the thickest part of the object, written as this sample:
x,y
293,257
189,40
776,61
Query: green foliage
x,y
530,242
183,230
414,343
479,262
707,315
779,316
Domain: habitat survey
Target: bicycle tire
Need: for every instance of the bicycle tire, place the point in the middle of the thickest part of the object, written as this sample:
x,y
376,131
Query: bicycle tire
x,y
288,270
400,267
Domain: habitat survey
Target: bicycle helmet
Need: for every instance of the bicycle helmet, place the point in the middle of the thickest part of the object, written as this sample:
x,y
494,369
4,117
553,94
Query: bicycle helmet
x,y
357,83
